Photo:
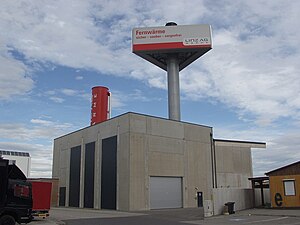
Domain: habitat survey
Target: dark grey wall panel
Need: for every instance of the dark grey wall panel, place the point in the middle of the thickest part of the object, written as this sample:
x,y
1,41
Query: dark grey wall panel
x,y
109,173
75,176
62,196
89,174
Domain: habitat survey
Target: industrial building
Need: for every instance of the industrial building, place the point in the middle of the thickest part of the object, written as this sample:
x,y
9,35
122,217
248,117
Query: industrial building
x,y
285,186
139,162
21,159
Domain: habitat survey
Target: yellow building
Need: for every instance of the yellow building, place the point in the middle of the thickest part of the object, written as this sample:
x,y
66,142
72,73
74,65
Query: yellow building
x,y
285,186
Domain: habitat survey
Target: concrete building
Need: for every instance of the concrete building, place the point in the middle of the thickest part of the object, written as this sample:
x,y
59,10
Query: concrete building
x,y
21,159
138,162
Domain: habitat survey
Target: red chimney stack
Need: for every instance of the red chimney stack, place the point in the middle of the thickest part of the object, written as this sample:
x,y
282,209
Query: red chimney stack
x,y
100,105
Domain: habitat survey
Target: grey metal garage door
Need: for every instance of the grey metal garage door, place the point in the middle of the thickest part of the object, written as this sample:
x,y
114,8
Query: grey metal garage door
x,y
165,192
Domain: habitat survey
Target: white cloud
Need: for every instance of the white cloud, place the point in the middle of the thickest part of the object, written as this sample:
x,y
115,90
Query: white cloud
x,y
52,92
40,129
120,99
117,101
85,34
63,33
55,94
41,122
57,99
282,150
14,78
252,68
69,92
79,77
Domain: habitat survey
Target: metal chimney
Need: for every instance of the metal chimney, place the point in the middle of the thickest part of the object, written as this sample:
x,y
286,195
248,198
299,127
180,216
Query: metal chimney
x,y
100,110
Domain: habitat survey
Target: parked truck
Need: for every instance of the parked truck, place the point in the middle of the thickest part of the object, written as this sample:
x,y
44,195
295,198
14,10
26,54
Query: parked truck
x,y
15,195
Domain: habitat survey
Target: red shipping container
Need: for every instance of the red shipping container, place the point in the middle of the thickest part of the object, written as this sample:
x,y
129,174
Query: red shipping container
x,y
41,196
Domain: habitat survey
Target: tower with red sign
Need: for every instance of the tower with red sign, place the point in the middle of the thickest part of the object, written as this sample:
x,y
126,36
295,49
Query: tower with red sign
x,y
172,48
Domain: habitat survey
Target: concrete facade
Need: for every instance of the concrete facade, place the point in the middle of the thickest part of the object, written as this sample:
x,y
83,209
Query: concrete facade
x,y
242,198
234,163
155,147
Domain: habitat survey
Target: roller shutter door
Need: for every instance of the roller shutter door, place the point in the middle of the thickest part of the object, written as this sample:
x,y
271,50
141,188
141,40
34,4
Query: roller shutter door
x,y
165,192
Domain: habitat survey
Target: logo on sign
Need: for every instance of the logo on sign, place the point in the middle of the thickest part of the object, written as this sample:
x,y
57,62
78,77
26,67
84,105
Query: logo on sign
x,y
278,199
195,41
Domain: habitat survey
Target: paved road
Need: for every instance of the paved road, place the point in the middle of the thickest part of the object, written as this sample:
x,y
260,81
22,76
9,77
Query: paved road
x,y
254,219
136,220
219,220
155,217
72,216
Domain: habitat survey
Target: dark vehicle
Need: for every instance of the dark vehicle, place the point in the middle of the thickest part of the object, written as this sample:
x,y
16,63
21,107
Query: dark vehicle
x,y
15,195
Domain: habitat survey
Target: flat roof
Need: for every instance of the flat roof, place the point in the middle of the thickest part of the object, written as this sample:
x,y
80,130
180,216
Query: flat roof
x,y
238,143
258,178
14,153
134,114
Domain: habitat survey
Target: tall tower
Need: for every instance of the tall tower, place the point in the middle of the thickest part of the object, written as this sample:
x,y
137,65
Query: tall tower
x,y
100,109
172,48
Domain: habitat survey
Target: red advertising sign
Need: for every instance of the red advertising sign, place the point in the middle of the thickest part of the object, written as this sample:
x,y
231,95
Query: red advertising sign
x,y
190,41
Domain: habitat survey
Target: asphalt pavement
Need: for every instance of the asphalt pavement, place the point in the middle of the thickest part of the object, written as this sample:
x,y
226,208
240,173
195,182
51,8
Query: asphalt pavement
x,y
59,215
71,216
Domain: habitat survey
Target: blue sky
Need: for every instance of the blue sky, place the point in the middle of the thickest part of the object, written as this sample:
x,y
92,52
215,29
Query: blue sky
x,y
53,52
